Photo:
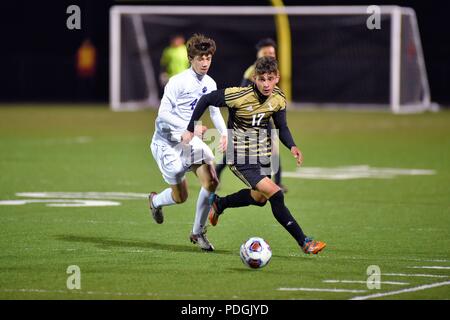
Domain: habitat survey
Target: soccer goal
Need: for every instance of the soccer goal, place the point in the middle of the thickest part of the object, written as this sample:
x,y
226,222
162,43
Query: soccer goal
x,y
340,56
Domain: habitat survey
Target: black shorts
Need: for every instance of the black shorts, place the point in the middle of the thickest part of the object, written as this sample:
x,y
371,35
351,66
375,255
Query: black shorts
x,y
251,174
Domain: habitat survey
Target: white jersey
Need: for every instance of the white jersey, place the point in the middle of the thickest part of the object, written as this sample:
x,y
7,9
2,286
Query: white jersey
x,y
181,95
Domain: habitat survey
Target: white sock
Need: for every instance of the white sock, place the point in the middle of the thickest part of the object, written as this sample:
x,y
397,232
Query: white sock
x,y
201,214
163,199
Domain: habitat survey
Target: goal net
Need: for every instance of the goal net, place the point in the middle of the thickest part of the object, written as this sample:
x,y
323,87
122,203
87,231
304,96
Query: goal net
x,y
340,56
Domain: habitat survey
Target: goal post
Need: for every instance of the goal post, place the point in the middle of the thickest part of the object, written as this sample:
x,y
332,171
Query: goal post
x,y
337,60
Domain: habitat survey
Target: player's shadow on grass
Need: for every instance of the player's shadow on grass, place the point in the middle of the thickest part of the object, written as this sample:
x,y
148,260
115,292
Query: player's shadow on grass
x,y
127,243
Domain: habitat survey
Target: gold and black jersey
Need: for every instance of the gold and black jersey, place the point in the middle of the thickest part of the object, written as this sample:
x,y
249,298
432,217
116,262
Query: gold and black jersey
x,y
249,116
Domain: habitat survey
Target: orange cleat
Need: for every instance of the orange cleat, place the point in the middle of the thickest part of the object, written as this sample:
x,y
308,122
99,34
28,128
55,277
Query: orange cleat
x,y
313,246
213,214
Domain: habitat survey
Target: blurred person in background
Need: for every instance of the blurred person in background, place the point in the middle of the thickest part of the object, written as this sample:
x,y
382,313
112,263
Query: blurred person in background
x,y
264,48
86,63
173,59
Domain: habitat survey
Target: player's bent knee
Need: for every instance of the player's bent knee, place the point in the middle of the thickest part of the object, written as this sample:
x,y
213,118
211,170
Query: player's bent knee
x,y
211,184
261,204
260,199
277,197
180,198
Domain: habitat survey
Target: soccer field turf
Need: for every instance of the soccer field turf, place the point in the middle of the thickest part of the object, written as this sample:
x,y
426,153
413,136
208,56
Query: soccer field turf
x,y
400,223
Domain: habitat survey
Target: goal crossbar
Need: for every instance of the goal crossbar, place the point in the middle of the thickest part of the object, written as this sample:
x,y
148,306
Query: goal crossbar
x,y
395,12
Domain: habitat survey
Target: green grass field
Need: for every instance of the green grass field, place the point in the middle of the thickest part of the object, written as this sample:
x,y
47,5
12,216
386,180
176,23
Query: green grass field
x,y
401,224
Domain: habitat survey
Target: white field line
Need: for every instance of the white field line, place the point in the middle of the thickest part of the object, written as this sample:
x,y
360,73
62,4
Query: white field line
x,y
85,195
372,258
81,221
320,290
118,294
82,249
365,282
62,203
430,267
414,275
353,172
430,260
419,288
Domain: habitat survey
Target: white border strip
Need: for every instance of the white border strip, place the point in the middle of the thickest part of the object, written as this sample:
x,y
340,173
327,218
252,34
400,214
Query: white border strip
x,y
419,288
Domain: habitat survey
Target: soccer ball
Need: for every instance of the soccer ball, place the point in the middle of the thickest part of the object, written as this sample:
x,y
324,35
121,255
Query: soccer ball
x,y
255,253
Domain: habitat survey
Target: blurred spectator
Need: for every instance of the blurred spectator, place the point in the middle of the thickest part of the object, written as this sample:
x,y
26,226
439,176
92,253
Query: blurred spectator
x,y
264,48
174,59
86,60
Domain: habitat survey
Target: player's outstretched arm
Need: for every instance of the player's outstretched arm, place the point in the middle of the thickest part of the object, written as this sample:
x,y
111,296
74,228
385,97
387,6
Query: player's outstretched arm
x,y
215,98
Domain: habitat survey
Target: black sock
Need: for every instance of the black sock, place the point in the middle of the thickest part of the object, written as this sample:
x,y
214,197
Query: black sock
x,y
284,217
242,198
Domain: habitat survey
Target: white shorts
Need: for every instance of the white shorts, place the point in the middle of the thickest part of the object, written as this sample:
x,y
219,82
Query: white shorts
x,y
175,160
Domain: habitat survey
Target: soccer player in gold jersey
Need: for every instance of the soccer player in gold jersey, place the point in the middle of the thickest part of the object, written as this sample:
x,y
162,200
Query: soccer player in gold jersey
x,y
250,109
264,48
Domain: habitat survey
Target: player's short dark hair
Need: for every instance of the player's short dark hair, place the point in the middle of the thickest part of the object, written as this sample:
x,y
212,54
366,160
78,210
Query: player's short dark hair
x,y
266,42
200,45
266,65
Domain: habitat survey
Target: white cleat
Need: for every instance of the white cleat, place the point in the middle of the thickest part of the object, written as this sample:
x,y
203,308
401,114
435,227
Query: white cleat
x,y
202,241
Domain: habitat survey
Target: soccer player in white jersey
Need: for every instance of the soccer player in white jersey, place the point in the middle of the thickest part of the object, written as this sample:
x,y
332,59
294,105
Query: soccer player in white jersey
x,y
177,104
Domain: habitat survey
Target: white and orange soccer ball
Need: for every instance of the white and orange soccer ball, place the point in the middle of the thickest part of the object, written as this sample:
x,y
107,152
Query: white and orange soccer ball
x,y
255,253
